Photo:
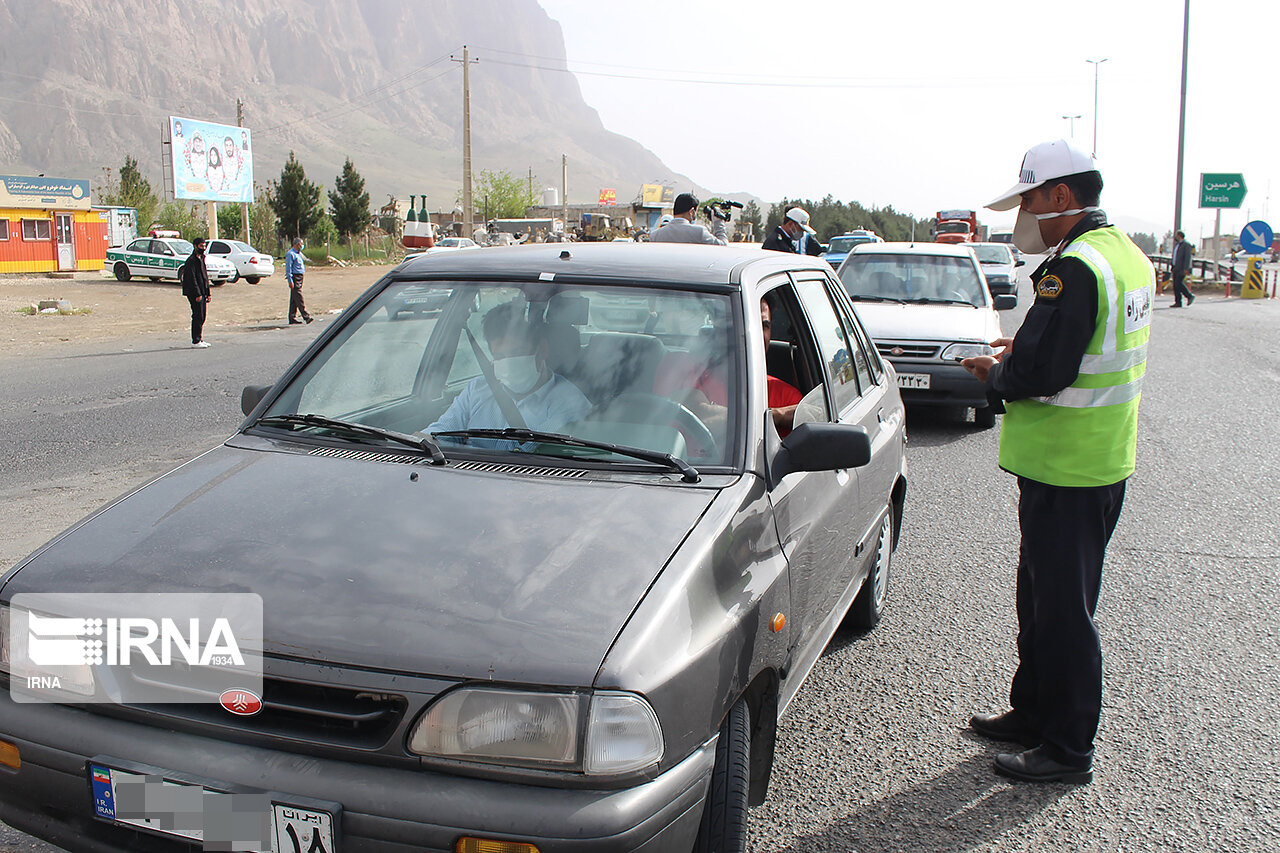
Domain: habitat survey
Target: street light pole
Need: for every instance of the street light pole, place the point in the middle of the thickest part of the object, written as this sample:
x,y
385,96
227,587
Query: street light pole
x,y
1072,120
1096,63
1182,118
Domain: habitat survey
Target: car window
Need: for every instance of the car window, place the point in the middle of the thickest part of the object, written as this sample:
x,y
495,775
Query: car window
x,y
217,247
180,247
832,343
912,277
244,247
864,364
993,254
139,246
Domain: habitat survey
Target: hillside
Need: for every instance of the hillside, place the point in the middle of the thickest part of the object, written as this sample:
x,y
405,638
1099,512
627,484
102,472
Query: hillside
x,y
86,83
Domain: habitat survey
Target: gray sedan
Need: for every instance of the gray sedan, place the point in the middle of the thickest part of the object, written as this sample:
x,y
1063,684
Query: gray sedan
x,y
536,573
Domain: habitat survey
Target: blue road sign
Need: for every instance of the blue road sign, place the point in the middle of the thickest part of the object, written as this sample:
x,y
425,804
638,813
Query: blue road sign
x,y
1256,238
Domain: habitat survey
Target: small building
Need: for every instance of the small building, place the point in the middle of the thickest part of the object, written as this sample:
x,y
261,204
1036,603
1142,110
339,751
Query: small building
x,y
46,225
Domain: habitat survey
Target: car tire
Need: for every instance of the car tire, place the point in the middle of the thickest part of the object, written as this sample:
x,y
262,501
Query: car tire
x,y
237,278
121,270
868,607
984,418
724,814
252,279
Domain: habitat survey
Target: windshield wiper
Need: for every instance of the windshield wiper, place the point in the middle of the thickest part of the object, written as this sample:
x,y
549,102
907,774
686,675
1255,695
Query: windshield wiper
x,y
421,441
862,297
690,474
924,299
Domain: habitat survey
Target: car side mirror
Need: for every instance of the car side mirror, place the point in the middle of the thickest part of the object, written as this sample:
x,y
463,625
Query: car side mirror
x,y
1005,301
251,396
821,447
1020,263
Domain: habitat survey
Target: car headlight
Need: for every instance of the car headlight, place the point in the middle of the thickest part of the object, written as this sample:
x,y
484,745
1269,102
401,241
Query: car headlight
x,y
956,352
77,679
534,729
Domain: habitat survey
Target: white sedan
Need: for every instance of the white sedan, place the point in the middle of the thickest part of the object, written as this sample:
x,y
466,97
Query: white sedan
x,y
250,264
447,244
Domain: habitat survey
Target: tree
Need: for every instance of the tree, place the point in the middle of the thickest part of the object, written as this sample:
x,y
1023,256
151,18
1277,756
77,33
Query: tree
x,y
295,201
262,221
133,190
349,202
184,217
229,221
1145,242
503,194
749,221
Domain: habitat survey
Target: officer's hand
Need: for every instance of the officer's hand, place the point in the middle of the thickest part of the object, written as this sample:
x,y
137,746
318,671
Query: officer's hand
x,y
1004,347
980,365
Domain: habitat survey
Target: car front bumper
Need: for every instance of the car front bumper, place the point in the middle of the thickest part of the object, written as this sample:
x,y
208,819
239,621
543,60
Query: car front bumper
x,y
949,384
222,274
383,808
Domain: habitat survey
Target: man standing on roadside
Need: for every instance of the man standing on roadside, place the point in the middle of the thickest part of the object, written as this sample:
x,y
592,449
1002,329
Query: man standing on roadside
x,y
682,228
195,286
294,268
1181,266
794,234
1071,377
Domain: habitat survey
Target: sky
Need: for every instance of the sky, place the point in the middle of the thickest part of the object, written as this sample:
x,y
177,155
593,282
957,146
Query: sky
x,y
929,105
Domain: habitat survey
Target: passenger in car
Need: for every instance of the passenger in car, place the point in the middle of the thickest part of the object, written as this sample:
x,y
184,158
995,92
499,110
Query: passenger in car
x,y
545,400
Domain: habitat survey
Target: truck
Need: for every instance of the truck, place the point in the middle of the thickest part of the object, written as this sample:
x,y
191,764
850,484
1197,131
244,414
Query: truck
x,y
959,226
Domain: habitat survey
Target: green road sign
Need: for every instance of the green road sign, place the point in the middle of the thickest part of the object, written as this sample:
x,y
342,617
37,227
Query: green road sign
x,y
1222,189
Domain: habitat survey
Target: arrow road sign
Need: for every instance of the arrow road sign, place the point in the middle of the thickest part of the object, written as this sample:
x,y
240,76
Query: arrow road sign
x,y
1256,238
1222,189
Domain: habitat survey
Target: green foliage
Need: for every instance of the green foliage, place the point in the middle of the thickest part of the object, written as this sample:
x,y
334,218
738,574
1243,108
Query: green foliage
x,y
187,218
831,218
295,201
1145,242
132,190
750,222
229,221
322,232
349,202
262,222
502,195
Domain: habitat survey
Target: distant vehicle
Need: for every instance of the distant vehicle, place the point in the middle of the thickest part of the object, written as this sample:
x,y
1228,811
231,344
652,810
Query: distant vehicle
x,y
999,266
251,265
1007,238
840,246
927,307
447,244
958,226
157,259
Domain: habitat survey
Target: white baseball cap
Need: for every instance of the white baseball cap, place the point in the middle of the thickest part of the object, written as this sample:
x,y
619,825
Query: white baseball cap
x,y
1043,163
800,216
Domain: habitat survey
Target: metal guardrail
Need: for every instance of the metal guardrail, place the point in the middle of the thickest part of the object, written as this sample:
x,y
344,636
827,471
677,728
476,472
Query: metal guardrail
x,y
1226,272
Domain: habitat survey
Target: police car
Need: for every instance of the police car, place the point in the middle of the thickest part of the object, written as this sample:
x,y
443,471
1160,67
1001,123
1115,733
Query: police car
x,y
162,257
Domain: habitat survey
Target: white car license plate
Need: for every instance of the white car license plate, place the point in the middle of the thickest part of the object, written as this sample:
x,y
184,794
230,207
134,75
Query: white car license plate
x,y
914,380
185,810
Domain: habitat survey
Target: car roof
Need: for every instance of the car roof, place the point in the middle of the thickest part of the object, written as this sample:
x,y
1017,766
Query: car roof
x,y
949,250
670,263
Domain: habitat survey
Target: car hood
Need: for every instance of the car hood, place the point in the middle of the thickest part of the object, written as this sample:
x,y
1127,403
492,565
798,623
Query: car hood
x,y
465,574
891,321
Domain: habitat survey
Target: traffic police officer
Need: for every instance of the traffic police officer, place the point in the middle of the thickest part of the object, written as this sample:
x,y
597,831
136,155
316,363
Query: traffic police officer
x,y
1069,382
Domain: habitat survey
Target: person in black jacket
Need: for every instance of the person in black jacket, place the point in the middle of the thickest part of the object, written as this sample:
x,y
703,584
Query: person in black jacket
x,y
195,286
794,234
1181,266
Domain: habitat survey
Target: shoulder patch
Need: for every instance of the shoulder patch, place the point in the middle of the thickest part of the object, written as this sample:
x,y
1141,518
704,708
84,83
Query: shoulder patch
x,y
1050,287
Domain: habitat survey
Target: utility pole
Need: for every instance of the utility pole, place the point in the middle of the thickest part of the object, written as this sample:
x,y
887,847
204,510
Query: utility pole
x,y
531,184
1097,63
564,191
1072,120
468,213
244,206
1182,119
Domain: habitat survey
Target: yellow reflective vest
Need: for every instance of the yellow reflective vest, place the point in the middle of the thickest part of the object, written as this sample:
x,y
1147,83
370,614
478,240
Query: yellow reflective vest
x,y
1087,434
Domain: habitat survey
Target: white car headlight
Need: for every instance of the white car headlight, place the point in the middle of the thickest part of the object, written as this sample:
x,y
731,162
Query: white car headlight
x,y
956,352
76,679
529,728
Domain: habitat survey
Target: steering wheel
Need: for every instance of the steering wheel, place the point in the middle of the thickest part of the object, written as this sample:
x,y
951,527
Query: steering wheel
x,y
639,407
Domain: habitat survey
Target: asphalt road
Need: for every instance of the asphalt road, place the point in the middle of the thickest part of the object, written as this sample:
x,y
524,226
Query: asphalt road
x,y
873,755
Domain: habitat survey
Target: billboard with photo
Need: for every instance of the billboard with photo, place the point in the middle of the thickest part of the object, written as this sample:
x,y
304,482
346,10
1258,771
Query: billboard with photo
x,y
211,162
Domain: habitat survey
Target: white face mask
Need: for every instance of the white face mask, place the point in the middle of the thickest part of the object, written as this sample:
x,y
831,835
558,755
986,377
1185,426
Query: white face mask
x,y
519,373
1026,230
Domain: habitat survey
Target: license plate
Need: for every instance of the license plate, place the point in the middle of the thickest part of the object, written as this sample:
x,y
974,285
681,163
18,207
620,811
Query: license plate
x,y
913,380
255,822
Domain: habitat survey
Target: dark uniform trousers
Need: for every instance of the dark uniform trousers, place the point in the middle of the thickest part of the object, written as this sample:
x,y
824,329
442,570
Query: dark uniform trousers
x,y
296,304
1058,684
198,309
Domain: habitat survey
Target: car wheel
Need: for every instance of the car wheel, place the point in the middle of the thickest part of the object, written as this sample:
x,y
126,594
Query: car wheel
x,y
984,418
121,270
724,814
868,607
237,278
252,279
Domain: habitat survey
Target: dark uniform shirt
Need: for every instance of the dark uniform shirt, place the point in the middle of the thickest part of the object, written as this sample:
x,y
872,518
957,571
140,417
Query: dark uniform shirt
x,y
1049,346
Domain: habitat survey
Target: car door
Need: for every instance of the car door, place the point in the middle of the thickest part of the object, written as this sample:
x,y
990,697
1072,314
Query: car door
x,y
137,256
817,512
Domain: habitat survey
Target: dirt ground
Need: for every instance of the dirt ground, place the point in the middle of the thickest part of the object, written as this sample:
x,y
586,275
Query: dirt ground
x,y
124,309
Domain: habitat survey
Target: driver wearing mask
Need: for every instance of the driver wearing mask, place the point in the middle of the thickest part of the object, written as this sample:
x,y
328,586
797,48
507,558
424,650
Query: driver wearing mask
x,y
544,399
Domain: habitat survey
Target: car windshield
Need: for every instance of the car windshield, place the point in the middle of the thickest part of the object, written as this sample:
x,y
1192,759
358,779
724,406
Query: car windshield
x,y
449,243
844,244
182,247
990,254
632,366
953,227
912,277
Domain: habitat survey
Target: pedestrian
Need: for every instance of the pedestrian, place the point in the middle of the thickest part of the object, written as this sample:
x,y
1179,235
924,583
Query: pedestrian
x,y
195,286
794,234
682,228
295,266
1069,383
1181,266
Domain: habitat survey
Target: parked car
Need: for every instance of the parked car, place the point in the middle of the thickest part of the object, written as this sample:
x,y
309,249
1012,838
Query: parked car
x,y
251,265
839,247
927,307
158,258
580,631
999,267
444,245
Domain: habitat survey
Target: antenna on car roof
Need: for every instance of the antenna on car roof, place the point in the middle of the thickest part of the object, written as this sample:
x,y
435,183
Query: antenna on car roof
x,y
913,233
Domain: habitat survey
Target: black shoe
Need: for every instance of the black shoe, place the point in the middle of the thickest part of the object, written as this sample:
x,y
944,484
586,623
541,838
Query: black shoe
x,y
308,319
1008,726
1191,300
1035,765
1176,305
295,322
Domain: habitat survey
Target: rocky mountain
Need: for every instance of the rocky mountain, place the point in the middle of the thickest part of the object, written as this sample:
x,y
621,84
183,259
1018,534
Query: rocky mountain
x,y
87,82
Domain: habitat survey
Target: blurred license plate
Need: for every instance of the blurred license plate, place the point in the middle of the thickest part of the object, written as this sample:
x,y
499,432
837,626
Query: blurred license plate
x,y
218,820
913,380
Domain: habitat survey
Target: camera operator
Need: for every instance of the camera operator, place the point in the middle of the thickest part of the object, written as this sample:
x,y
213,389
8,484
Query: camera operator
x,y
794,234
682,228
